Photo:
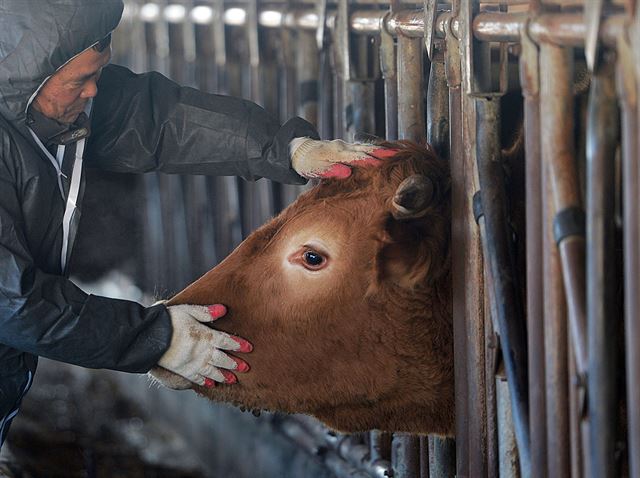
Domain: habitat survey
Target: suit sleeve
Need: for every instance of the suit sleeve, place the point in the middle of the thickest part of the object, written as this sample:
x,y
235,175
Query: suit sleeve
x,y
148,123
47,315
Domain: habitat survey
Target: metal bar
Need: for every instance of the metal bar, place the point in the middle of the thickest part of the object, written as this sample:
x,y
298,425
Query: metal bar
x,y
411,123
458,262
508,449
459,216
388,68
406,448
220,46
442,458
492,353
327,94
566,29
529,79
254,51
379,446
576,433
509,311
438,110
425,457
474,266
405,455
593,16
602,138
556,66
555,90
627,85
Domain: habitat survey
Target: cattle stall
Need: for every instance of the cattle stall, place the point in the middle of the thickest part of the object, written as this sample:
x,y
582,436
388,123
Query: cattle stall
x,y
534,105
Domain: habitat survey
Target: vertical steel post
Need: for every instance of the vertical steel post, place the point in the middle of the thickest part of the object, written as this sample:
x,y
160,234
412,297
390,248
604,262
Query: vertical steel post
x,y
411,123
388,67
459,217
627,85
405,456
557,77
530,81
576,424
508,449
602,326
500,260
173,187
441,450
438,110
473,285
556,99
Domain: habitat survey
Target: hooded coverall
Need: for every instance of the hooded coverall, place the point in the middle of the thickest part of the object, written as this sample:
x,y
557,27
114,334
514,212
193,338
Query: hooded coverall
x,y
138,123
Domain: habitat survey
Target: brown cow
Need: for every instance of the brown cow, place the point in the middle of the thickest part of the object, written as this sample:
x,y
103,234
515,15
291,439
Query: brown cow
x,y
346,298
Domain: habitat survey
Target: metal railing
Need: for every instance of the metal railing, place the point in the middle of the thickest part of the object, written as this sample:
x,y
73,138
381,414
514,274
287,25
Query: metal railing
x,y
538,309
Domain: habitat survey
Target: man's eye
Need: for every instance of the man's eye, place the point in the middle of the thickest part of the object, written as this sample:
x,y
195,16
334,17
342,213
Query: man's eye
x,y
313,260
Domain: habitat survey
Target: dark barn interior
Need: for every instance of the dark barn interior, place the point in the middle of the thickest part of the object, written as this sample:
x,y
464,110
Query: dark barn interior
x,y
533,103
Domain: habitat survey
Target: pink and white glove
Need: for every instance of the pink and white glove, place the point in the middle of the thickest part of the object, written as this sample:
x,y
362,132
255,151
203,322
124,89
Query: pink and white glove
x,y
196,351
312,158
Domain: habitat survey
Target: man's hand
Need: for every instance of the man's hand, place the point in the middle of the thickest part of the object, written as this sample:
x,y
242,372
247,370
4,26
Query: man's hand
x,y
196,351
312,158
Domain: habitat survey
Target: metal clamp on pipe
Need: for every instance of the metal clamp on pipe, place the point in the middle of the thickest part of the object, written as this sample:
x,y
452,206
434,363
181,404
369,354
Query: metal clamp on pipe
x,y
569,222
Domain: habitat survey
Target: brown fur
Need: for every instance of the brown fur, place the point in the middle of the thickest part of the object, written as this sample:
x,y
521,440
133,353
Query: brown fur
x,y
369,347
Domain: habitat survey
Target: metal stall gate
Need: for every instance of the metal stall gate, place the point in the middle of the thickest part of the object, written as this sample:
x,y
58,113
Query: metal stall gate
x,y
534,104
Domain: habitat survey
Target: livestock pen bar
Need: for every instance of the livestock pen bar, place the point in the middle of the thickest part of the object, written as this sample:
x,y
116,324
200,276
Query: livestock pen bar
x,y
534,103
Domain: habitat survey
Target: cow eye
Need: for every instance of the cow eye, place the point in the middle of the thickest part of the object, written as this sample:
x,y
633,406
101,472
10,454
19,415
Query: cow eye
x,y
313,260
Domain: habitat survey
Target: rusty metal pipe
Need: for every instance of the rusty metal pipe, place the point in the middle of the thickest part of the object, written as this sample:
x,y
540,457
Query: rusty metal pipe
x,y
510,315
405,455
438,110
441,450
627,93
566,29
602,139
458,278
529,79
555,93
406,448
411,123
556,66
388,68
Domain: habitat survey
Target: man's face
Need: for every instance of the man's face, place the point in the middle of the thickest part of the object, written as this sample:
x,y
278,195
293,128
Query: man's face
x,y
64,95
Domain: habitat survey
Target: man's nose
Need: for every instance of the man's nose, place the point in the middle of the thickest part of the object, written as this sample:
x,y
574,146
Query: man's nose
x,y
90,90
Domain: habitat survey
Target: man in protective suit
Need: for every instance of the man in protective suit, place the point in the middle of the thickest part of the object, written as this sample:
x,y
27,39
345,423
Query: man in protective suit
x,y
63,106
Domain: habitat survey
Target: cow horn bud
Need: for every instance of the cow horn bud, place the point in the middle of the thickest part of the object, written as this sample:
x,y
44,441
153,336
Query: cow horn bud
x,y
413,197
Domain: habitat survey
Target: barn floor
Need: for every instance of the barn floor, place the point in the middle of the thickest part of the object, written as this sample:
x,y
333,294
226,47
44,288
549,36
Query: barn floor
x,y
76,423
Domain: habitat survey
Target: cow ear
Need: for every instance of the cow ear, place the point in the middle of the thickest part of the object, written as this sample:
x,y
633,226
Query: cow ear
x,y
415,235
413,197
404,258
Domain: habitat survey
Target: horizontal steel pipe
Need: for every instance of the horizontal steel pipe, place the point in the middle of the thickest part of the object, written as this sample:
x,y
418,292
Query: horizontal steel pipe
x,y
566,29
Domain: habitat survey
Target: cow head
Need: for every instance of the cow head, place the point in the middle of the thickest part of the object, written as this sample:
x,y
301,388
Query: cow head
x,y
346,299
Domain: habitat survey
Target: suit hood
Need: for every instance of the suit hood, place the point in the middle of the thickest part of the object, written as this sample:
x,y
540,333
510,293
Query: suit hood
x,y
37,37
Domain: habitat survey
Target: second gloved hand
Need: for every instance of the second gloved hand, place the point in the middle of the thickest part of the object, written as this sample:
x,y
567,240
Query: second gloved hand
x,y
196,351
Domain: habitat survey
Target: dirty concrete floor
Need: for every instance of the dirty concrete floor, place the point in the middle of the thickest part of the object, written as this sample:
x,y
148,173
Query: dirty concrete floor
x,y
76,423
